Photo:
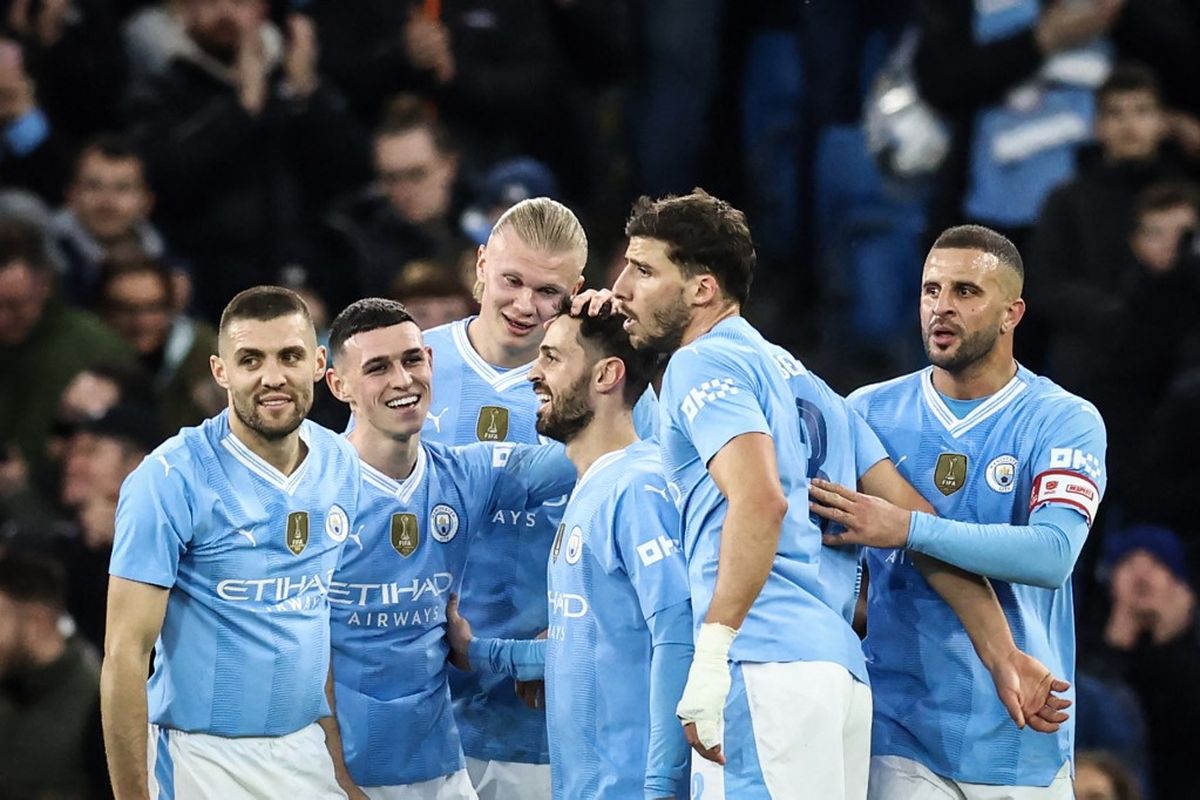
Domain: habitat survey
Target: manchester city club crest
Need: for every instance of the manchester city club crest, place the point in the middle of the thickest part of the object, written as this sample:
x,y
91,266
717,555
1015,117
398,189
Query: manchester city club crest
x,y
492,425
405,537
574,545
950,473
296,534
443,523
1001,474
337,524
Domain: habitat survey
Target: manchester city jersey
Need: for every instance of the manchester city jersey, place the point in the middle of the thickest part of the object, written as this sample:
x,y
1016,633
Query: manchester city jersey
x,y
1028,445
614,564
729,382
248,554
390,591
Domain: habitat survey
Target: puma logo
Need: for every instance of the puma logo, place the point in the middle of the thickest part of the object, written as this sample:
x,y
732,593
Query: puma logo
x,y
249,536
357,536
166,466
437,419
660,492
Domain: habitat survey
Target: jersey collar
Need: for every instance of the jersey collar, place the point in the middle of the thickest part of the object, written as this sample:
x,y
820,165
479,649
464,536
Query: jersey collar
x,y
402,490
499,380
958,427
260,467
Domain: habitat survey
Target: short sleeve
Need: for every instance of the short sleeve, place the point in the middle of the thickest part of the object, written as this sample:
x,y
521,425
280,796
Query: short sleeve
x,y
645,528
712,399
509,475
154,523
868,449
1069,468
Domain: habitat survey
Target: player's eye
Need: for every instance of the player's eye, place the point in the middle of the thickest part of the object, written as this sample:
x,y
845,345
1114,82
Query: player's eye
x,y
645,273
511,281
548,291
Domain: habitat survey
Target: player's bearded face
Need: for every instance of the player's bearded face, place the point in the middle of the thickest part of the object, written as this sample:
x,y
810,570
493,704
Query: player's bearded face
x,y
269,370
567,412
970,348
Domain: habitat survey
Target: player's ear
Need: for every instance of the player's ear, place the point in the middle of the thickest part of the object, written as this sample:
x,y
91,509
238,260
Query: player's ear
x,y
610,374
1013,315
322,361
706,289
217,365
336,385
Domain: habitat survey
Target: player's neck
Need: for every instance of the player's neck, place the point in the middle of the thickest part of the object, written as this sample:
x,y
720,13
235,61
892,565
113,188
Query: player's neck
x,y
395,458
981,379
706,319
485,339
604,434
284,454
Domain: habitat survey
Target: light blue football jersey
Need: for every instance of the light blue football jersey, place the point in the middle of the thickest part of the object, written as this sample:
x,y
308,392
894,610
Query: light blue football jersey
x,y
504,582
248,554
389,596
614,564
729,382
1028,445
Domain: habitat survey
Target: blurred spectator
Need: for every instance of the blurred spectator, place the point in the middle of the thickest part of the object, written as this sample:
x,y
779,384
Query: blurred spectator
x,y
1015,79
152,37
243,141
75,60
43,344
107,212
1102,776
1080,261
98,460
432,293
505,185
32,156
1152,640
49,686
136,301
409,212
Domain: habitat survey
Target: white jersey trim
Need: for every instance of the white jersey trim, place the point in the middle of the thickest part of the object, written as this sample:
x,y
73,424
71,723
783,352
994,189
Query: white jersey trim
x,y
958,427
401,490
260,467
597,465
500,381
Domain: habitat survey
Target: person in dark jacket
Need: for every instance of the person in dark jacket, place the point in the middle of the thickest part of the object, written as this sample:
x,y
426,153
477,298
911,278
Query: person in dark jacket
x,y
243,141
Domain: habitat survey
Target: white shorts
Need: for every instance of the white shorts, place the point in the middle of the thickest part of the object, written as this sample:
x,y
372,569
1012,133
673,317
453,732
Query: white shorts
x,y
794,730
896,778
456,786
198,766
509,780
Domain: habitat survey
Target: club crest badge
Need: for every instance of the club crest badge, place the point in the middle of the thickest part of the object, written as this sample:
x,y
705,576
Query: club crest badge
x,y
296,533
950,473
492,425
337,524
574,545
443,523
1001,474
405,537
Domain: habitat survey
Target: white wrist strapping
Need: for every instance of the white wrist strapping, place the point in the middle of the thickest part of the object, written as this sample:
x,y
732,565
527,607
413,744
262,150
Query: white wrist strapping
x,y
708,683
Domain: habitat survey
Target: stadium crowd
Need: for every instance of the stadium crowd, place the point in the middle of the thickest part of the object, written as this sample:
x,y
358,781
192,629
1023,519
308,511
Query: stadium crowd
x,y
158,158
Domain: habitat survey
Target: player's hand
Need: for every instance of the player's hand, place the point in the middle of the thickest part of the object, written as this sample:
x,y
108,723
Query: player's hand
x,y
868,520
458,634
701,708
1027,689
532,693
593,303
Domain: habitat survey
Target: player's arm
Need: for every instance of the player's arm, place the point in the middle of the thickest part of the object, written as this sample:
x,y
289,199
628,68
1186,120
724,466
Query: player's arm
x,y
1023,683
134,619
333,742
670,657
522,659
746,473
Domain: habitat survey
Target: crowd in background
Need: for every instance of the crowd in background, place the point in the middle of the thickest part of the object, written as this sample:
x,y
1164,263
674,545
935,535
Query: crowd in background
x,y
156,158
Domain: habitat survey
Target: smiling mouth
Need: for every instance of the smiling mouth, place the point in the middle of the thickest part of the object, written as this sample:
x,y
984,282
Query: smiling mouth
x,y
274,401
409,401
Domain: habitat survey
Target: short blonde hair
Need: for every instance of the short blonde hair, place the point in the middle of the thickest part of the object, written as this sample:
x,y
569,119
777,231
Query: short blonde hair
x,y
543,224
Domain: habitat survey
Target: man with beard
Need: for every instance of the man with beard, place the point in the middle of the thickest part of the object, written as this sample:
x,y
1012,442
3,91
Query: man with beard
x,y
619,641
425,507
744,429
227,536
1020,462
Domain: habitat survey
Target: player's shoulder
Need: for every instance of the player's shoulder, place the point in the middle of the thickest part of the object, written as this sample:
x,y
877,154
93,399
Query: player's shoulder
x,y
865,396
444,333
1056,405
176,464
333,448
